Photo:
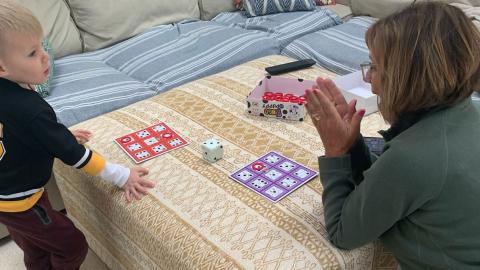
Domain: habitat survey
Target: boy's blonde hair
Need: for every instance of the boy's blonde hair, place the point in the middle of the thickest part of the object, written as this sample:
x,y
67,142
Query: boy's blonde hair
x,y
17,18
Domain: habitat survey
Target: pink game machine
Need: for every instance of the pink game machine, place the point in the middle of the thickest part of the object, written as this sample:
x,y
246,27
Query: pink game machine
x,y
279,97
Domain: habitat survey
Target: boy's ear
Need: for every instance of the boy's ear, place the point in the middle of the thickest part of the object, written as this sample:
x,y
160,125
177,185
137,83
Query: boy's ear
x,y
3,70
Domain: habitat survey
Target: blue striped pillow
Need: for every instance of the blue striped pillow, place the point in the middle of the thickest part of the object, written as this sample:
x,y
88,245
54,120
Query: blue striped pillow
x,y
263,7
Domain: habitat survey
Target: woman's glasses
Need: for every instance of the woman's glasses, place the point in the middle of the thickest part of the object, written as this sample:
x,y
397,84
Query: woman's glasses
x,y
366,68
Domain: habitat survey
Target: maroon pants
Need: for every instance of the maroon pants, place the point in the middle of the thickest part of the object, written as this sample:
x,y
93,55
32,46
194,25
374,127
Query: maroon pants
x,y
49,239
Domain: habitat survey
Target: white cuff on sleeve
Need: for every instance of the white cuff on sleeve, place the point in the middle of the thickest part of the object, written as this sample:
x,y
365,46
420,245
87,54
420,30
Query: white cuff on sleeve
x,y
115,174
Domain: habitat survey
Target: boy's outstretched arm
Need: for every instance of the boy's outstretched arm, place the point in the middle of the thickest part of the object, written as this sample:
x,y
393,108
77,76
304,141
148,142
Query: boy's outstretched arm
x,y
59,142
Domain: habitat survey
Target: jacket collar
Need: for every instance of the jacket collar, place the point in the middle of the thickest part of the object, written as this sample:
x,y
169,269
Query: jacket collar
x,y
407,120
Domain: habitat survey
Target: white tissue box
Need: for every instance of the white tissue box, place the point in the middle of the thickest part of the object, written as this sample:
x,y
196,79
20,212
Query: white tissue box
x,y
353,87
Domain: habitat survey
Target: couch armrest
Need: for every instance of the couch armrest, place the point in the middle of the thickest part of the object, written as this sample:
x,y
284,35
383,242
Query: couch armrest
x,y
344,2
343,11
211,8
380,9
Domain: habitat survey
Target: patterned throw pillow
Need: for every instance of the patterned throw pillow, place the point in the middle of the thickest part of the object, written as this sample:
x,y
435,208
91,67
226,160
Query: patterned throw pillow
x,y
263,7
44,88
325,2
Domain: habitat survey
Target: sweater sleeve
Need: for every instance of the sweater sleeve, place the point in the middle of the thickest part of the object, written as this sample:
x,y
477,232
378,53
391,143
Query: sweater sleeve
x,y
361,159
394,187
60,143
57,140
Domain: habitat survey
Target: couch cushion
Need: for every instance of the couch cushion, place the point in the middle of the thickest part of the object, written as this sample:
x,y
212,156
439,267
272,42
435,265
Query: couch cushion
x,y
83,87
340,49
284,27
380,9
58,26
211,8
183,52
106,22
166,56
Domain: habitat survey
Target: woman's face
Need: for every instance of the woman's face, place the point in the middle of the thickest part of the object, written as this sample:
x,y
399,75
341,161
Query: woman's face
x,y
372,76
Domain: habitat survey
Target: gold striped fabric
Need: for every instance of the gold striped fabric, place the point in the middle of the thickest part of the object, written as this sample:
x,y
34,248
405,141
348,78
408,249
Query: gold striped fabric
x,y
197,217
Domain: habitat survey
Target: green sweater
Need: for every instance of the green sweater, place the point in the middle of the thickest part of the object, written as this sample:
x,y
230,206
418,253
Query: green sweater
x,y
421,197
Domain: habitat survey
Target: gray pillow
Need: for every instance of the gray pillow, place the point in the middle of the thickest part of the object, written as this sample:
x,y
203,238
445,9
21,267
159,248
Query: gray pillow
x,y
263,7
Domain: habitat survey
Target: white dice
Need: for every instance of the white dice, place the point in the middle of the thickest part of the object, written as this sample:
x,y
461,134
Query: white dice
x,y
212,150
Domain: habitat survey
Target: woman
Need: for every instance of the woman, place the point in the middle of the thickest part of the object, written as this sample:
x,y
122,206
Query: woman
x,y
421,196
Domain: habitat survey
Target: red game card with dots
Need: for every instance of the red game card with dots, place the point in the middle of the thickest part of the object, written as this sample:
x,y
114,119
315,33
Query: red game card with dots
x,y
150,142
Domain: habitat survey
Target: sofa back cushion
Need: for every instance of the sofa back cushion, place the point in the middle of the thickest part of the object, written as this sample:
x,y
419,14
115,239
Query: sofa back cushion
x,y
106,22
383,8
58,26
211,8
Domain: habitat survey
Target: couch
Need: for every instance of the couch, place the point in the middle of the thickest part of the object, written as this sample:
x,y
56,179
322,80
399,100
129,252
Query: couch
x,y
112,53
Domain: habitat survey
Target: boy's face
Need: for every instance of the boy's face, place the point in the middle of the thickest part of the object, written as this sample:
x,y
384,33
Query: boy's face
x,y
23,59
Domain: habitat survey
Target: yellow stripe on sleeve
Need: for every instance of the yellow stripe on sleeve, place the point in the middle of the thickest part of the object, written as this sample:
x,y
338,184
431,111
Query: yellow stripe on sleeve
x,y
21,205
95,165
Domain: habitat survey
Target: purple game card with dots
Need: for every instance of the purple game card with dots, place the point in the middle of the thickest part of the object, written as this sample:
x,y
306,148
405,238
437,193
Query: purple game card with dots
x,y
273,176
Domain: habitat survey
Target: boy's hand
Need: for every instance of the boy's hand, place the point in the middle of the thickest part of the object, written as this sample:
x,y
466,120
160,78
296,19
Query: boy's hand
x,y
81,135
136,186
237,3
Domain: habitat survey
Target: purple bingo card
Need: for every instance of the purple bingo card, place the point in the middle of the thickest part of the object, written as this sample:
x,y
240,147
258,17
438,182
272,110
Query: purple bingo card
x,y
273,176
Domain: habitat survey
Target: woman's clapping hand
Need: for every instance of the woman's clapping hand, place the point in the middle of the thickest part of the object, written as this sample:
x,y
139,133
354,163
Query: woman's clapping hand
x,y
337,122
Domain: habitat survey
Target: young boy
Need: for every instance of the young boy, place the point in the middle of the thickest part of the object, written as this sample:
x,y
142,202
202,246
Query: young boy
x,y
30,139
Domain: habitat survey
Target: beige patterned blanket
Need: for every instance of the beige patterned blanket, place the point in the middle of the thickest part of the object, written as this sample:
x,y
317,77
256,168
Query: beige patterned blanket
x,y
197,217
